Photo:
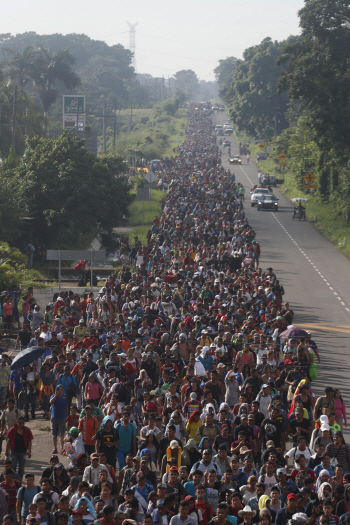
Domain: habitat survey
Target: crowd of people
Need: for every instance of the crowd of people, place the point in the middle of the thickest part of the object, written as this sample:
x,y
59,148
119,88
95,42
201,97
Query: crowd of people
x,y
173,397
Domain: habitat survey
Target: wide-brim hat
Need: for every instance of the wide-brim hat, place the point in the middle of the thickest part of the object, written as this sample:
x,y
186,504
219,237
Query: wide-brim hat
x,y
246,509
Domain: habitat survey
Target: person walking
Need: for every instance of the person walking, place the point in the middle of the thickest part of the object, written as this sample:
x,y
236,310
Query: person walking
x,y
59,413
19,445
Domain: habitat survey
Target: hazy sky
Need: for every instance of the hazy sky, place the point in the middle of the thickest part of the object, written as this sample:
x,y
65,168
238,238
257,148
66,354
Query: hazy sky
x,y
170,36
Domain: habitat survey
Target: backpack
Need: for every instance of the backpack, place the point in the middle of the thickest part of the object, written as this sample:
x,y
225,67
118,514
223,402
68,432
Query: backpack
x,y
3,503
79,266
300,477
38,489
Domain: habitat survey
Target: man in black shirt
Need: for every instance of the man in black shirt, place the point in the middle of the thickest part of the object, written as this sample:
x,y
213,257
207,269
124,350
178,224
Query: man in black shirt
x,y
165,442
272,429
24,336
300,427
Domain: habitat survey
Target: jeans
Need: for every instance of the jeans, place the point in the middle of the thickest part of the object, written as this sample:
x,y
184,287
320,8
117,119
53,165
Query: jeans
x,y
121,455
45,401
29,399
19,403
18,458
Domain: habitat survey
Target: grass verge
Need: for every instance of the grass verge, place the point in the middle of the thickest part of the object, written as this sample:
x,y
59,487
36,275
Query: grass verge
x,y
326,217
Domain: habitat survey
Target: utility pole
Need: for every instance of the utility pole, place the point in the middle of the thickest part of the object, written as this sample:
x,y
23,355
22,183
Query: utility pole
x,y
115,123
14,118
78,116
104,128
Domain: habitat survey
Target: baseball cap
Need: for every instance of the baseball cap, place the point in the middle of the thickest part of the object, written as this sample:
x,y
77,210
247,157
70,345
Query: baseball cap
x,y
299,411
174,444
325,426
270,443
162,486
292,496
281,471
74,480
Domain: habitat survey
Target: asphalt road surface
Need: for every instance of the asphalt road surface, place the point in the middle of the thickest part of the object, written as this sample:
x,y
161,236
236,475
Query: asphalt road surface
x,y
315,276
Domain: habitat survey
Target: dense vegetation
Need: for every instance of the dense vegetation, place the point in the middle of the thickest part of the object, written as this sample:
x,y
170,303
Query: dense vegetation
x,y
299,90
64,189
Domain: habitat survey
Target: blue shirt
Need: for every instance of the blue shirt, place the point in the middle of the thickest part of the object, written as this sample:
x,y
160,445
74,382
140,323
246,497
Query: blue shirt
x,y
65,381
125,436
232,519
191,491
58,410
320,467
16,377
27,500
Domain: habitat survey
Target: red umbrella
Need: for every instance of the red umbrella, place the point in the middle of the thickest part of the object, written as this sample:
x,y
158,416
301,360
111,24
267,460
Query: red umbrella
x,y
294,332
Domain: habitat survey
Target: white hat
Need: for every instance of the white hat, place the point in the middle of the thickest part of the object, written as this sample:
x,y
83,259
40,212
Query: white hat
x,y
246,509
324,427
300,517
324,419
193,395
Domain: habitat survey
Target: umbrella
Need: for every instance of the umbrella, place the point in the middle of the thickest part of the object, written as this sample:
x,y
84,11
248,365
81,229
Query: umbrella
x,y
299,199
294,332
27,356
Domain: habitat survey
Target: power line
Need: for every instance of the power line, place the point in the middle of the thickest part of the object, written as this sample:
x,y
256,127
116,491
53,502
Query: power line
x,y
186,43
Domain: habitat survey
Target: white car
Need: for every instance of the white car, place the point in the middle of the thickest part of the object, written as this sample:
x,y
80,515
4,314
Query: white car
x,y
256,194
227,125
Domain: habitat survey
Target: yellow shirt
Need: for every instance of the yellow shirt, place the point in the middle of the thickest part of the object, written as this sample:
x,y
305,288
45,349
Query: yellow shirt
x,y
192,429
80,332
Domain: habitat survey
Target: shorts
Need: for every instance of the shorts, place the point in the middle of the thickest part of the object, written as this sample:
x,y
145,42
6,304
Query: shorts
x,y
58,427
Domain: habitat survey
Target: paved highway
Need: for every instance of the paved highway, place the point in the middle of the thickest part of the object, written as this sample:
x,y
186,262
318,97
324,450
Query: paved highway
x,y
313,272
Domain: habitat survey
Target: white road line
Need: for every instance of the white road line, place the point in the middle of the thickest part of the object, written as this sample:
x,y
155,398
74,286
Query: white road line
x,y
252,183
307,258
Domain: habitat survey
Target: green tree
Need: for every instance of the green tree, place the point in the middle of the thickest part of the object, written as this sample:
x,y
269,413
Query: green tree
x,y
50,68
68,191
29,121
187,81
224,73
252,95
12,263
318,73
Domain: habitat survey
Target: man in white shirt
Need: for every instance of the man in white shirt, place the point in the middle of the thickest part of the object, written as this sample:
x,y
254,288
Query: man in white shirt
x,y
302,448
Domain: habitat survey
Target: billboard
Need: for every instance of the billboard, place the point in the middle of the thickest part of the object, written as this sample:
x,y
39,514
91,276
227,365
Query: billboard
x,y
70,121
73,111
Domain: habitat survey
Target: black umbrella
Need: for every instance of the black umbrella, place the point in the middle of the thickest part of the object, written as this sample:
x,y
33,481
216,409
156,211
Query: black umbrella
x,y
27,356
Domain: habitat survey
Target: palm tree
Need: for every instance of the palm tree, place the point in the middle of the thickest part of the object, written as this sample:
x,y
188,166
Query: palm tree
x,y
19,66
44,69
48,69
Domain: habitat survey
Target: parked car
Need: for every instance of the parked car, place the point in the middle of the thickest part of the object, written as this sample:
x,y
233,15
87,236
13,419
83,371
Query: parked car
x,y
270,180
267,202
261,156
257,193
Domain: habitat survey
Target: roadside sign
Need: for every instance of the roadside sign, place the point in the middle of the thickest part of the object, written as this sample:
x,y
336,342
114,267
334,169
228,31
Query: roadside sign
x,y
261,145
150,176
70,121
309,177
282,163
142,194
71,104
282,156
268,149
309,186
73,111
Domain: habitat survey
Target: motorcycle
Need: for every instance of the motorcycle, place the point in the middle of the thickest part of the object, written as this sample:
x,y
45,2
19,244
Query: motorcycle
x,y
299,213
